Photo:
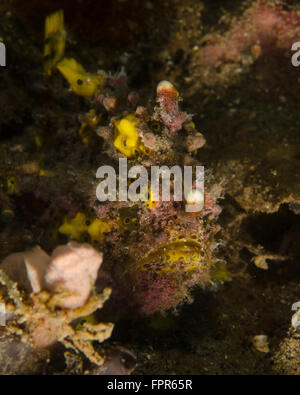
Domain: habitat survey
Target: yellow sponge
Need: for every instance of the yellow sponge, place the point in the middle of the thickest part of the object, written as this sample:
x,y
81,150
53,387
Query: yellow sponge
x,y
76,226
55,40
82,83
96,230
127,140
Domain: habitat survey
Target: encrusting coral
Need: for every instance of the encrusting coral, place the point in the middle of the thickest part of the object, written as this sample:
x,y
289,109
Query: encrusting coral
x,y
168,98
62,292
265,30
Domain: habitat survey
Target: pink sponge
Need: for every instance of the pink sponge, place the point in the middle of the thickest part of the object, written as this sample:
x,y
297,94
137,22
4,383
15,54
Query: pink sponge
x,y
73,269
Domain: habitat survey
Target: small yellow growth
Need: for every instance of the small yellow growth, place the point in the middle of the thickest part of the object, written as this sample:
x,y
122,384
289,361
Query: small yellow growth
x,y
183,252
150,203
90,121
12,185
97,229
38,141
127,140
220,272
82,83
145,150
186,255
55,40
46,173
76,226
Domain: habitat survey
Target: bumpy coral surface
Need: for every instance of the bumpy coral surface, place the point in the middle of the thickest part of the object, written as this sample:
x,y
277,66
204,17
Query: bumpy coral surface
x,y
48,315
263,34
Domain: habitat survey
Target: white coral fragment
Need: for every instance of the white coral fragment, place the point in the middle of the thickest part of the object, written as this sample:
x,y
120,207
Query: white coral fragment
x,y
261,343
27,268
36,262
